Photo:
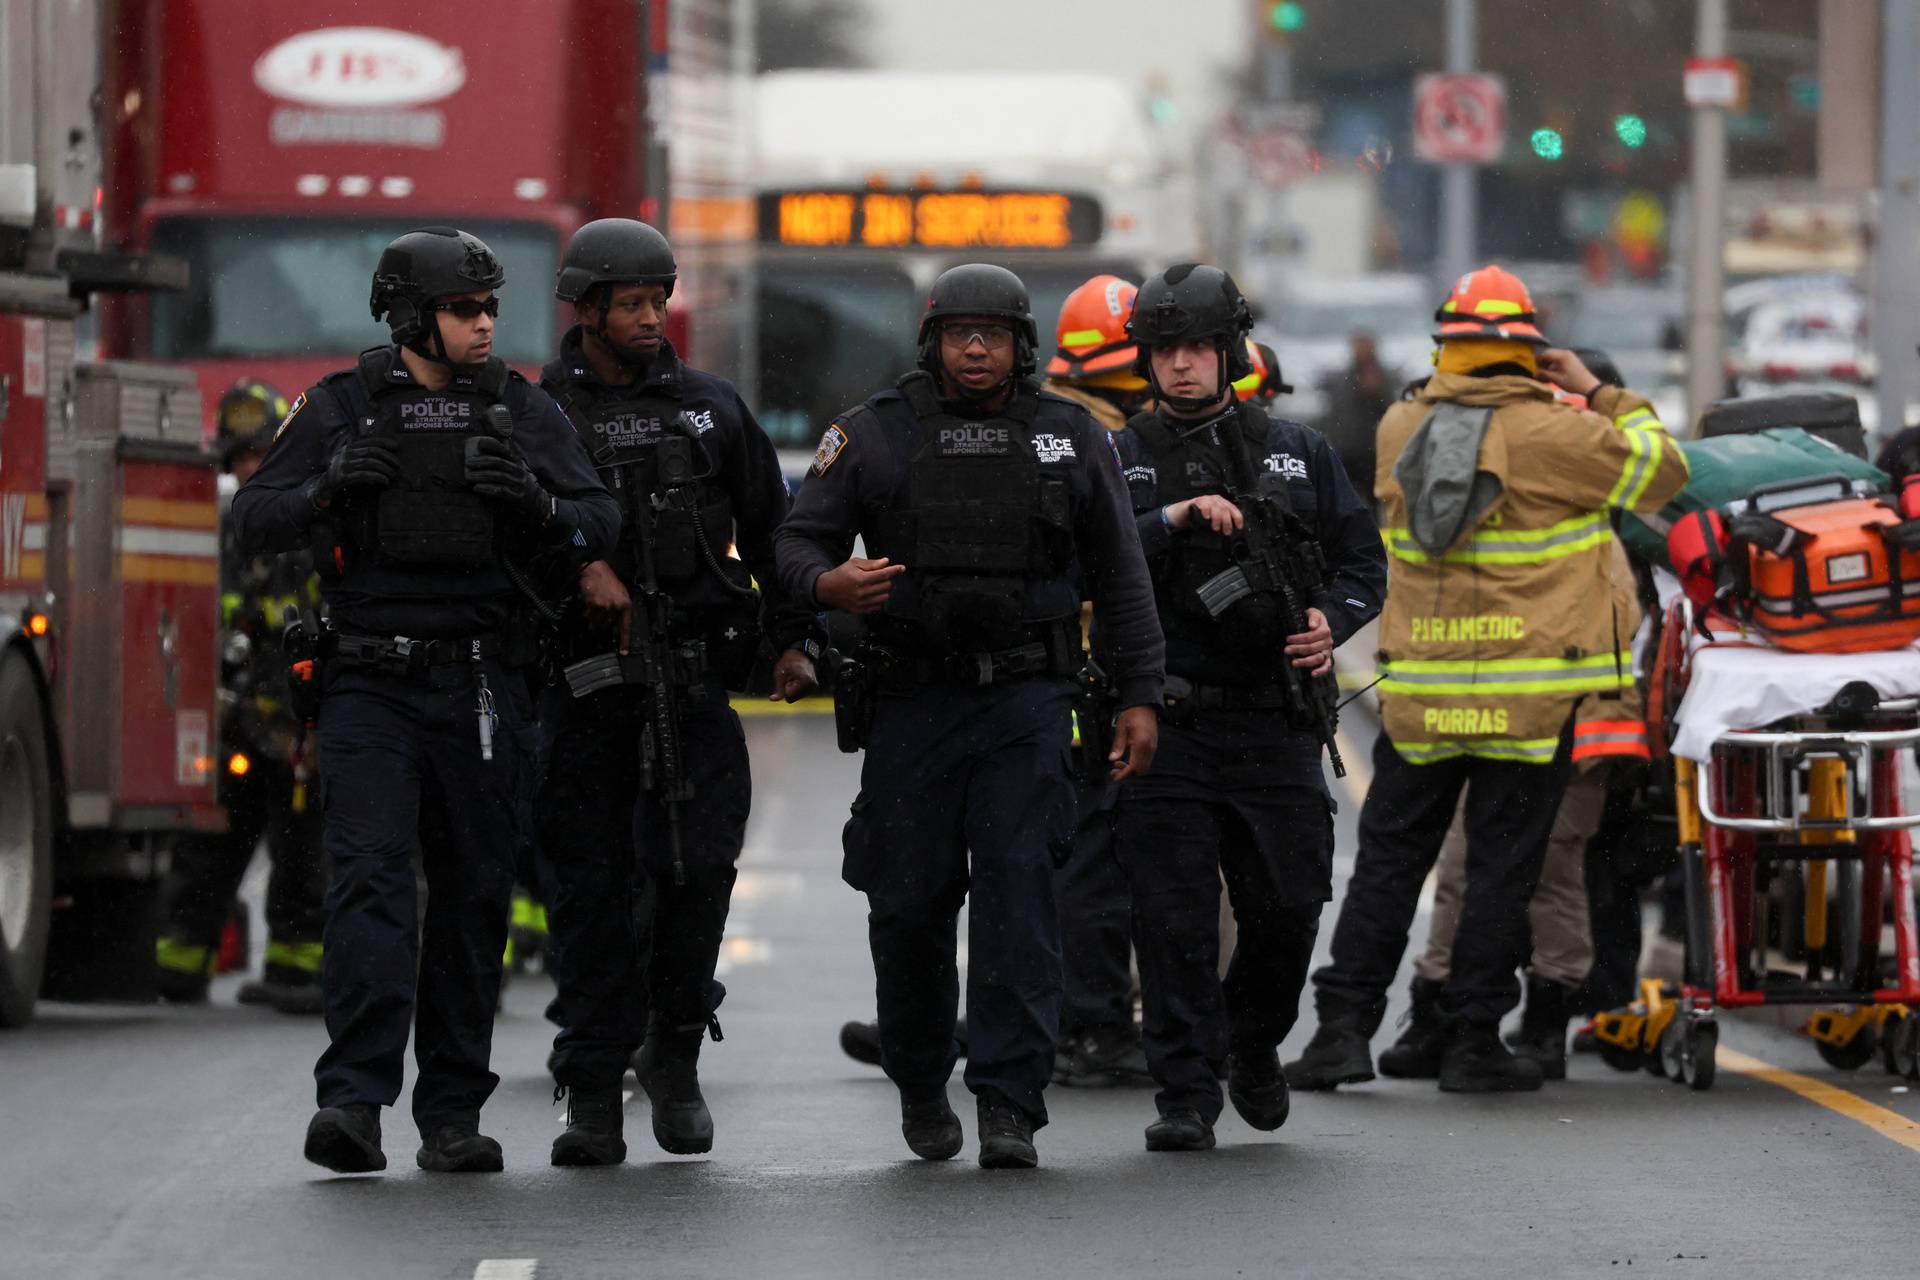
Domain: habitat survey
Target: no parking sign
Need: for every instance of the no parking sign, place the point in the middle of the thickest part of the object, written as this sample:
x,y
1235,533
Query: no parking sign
x,y
1459,119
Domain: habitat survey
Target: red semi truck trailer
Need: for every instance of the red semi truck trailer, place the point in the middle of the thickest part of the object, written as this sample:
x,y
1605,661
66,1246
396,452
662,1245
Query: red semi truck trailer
x,y
276,146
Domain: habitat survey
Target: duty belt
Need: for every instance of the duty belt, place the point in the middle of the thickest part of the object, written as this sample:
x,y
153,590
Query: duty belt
x,y
1053,654
405,656
1185,694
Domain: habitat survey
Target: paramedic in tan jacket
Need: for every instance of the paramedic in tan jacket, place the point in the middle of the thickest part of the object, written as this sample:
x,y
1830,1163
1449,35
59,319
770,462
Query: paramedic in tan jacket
x,y
1495,501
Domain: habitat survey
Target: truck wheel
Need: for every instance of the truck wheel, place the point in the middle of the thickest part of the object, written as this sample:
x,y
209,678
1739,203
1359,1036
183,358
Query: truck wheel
x,y
26,842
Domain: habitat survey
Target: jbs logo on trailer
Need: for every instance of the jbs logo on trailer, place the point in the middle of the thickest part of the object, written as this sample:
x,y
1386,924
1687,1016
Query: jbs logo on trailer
x,y
359,86
974,440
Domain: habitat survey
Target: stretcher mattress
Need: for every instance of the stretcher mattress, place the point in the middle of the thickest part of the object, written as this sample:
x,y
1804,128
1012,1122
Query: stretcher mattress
x,y
1736,684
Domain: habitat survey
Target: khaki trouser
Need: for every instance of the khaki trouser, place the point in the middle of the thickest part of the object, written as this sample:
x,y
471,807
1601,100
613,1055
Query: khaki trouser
x,y
1557,913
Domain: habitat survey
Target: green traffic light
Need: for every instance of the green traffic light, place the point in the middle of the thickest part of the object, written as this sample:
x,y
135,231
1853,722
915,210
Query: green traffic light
x,y
1631,130
1548,144
1288,16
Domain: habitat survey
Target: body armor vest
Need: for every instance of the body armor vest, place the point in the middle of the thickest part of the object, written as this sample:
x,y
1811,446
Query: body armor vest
x,y
1191,465
429,516
982,521
642,454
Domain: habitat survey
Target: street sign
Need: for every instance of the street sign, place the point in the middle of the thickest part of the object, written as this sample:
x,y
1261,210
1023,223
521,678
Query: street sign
x,y
1280,156
1459,119
1714,82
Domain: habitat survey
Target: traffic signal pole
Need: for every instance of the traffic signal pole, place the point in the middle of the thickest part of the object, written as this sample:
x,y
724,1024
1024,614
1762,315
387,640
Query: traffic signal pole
x,y
1896,257
1459,189
1706,285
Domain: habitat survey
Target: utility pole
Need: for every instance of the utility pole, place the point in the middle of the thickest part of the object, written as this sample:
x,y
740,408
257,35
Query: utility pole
x,y
1896,267
1706,308
1460,183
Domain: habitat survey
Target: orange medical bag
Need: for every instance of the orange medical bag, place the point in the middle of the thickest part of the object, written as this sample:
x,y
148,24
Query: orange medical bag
x,y
1837,574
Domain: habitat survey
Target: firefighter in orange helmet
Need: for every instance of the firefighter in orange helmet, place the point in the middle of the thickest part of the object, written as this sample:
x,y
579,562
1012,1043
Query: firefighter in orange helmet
x,y
1093,363
1263,384
1503,624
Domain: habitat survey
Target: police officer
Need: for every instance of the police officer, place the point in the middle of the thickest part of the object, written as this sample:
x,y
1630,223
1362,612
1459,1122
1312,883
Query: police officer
x,y
1237,787
975,494
419,476
265,784
694,473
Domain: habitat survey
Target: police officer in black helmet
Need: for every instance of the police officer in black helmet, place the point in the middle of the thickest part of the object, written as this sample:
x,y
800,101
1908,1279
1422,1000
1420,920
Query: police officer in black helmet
x,y
694,473
420,478
1237,786
975,493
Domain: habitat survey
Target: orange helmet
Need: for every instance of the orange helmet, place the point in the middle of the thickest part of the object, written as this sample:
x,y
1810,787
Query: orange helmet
x,y
1263,384
1489,303
1092,333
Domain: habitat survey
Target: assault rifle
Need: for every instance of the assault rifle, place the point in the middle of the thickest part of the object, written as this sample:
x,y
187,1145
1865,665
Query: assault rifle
x,y
671,668
1275,552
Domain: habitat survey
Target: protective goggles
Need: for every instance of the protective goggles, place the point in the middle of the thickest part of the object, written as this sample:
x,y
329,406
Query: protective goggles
x,y
468,308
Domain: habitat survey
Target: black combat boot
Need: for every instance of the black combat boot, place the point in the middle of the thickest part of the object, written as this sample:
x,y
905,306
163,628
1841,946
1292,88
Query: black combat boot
x,y
1543,1027
458,1148
668,1066
1102,1058
594,1122
1258,1089
1006,1135
1416,1054
1475,1061
346,1139
861,1042
931,1129
1182,1130
1336,1055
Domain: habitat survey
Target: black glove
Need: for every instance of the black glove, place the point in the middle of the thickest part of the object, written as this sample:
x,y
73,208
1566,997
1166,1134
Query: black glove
x,y
497,473
368,462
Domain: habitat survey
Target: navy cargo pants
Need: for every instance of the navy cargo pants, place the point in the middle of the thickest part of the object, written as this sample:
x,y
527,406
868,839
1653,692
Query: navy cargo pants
x,y
965,793
401,765
625,939
1232,794
1096,942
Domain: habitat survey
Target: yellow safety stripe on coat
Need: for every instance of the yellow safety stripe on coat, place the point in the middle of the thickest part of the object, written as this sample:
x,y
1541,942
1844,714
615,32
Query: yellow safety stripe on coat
x,y
1636,418
1480,677
304,956
1510,546
180,957
1520,750
1645,446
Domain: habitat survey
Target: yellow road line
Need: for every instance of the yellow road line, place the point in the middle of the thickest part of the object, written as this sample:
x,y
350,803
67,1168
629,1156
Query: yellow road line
x,y
1888,1124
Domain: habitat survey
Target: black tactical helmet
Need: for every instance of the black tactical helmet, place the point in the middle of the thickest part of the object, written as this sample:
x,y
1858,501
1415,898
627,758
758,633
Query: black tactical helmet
x,y
1185,304
433,262
980,289
614,251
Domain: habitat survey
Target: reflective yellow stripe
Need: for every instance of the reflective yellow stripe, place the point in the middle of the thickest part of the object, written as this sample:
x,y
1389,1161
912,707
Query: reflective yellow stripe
x,y
539,921
1628,421
1445,679
1083,338
1521,750
304,956
1656,445
180,957
1247,383
522,911
1510,546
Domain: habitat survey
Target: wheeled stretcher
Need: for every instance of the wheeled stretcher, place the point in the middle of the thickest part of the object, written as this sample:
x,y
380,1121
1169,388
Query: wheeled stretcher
x,y
1794,847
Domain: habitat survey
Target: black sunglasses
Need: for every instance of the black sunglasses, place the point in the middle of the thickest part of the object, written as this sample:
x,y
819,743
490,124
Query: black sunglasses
x,y
469,308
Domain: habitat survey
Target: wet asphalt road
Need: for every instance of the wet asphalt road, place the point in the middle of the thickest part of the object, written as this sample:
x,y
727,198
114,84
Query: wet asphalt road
x,y
166,1142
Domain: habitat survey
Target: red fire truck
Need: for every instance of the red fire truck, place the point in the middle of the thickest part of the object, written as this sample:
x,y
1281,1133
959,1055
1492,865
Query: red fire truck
x,y
108,559
277,146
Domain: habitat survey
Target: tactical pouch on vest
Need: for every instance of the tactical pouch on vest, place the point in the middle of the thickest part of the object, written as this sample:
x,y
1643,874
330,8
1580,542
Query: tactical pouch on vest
x,y
855,682
430,516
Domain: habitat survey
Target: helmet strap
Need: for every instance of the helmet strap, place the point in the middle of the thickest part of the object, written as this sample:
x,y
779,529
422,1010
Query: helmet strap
x,y
1192,406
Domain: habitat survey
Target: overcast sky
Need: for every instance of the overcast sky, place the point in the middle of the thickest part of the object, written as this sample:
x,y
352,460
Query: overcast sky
x,y
1188,42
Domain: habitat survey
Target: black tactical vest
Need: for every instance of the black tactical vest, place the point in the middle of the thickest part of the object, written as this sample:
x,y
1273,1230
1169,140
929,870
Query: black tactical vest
x,y
429,516
1192,464
665,480
982,521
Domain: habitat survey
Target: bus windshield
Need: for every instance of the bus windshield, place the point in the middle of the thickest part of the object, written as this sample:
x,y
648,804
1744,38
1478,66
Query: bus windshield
x,y
279,287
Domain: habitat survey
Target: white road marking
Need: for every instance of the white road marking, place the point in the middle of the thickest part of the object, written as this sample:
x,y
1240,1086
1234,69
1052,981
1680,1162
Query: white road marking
x,y
506,1269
